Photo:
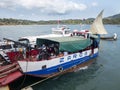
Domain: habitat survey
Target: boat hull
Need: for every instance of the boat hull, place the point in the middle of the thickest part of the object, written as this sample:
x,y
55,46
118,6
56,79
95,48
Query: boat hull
x,y
108,38
114,37
70,69
80,60
10,78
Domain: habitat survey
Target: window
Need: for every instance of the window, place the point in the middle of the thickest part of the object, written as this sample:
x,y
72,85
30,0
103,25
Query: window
x,y
44,67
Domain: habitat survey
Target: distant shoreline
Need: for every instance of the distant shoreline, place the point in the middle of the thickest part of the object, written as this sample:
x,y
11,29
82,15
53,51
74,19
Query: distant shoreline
x,y
11,21
52,24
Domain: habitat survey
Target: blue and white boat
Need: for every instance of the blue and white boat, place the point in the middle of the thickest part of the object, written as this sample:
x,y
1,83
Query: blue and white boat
x,y
69,53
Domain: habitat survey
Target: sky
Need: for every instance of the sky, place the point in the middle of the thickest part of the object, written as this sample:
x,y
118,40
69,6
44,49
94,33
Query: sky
x,y
57,9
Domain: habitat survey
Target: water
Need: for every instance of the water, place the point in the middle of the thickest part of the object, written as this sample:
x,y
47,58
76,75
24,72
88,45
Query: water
x,y
104,74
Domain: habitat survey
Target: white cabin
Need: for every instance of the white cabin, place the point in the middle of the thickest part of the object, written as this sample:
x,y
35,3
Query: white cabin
x,y
56,32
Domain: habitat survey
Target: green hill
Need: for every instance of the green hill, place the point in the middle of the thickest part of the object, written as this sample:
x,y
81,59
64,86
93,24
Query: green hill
x,y
115,19
114,16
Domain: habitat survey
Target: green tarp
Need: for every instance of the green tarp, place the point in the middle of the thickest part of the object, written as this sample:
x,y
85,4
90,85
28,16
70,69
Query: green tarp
x,y
69,44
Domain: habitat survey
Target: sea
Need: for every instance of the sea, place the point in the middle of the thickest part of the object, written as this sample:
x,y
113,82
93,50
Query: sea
x,y
103,74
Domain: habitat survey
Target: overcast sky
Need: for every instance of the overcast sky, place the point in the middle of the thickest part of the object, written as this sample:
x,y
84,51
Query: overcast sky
x,y
57,9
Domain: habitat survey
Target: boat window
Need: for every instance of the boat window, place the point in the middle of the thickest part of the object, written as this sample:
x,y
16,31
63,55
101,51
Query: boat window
x,y
44,67
15,46
67,32
24,41
57,32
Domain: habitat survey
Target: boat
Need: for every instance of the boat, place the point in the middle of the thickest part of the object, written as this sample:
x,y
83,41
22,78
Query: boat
x,y
114,37
59,31
39,64
52,56
61,54
98,28
9,68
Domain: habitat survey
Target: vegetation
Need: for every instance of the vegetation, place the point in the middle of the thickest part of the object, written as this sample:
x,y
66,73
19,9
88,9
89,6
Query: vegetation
x,y
109,20
11,21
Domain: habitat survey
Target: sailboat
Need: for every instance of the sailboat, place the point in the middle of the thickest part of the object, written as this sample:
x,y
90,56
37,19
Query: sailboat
x,y
98,28
113,37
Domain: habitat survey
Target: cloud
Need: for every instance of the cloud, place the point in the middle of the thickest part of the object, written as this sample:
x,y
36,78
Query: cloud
x,y
7,4
45,6
94,4
2,4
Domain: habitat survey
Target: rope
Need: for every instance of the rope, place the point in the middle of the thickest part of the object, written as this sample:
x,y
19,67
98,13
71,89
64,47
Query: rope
x,y
43,80
36,83
22,81
25,74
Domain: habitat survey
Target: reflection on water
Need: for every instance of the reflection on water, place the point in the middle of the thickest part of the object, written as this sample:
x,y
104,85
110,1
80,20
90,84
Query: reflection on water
x,y
70,81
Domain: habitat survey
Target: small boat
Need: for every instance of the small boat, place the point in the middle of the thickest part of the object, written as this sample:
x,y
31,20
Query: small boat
x,y
114,37
98,28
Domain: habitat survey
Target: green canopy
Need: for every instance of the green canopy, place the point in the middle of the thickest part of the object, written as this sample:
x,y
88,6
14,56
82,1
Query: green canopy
x,y
69,44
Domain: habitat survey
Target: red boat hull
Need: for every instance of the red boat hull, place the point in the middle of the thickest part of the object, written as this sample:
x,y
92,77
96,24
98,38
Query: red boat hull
x,y
10,78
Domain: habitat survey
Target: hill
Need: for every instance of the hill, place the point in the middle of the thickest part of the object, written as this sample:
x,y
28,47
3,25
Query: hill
x,y
115,19
10,21
114,16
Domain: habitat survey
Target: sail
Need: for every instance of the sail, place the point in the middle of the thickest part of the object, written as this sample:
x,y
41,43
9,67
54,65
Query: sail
x,y
97,27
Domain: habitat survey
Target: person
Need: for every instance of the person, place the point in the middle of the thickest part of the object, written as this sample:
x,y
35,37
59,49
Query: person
x,y
1,58
115,36
56,49
60,54
65,53
43,47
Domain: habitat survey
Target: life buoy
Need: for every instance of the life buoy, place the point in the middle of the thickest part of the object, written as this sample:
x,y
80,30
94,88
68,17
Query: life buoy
x,y
60,68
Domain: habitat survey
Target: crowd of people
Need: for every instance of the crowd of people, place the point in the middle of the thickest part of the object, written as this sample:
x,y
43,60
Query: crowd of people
x,y
48,51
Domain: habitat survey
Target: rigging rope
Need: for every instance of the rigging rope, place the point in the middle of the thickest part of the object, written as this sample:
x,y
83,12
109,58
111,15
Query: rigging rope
x,y
25,71
59,73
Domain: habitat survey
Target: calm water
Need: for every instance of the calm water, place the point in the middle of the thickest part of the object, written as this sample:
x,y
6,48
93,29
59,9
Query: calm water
x,y
104,74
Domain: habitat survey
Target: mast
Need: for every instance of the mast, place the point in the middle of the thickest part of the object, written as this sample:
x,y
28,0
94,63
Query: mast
x,y
58,24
